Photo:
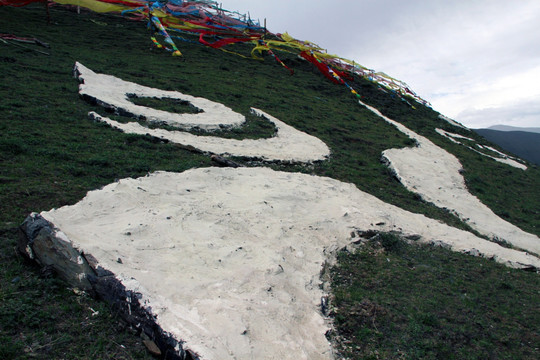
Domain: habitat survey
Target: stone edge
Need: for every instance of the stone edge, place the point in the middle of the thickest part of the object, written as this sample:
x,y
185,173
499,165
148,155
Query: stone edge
x,y
41,242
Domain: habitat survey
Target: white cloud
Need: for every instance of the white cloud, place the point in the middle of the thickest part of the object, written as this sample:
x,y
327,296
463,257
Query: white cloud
x,y
525,113
462,56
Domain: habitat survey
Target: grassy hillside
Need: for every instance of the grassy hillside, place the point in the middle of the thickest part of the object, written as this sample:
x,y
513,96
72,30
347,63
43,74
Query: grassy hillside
x,y
52,154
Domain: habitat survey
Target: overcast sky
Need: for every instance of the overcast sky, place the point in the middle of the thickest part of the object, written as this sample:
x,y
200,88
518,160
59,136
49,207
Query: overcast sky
x,y
476,61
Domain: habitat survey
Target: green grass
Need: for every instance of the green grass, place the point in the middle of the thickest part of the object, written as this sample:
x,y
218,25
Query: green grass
x,y
509,192
52,154
255,127
40,318
411,301
165,104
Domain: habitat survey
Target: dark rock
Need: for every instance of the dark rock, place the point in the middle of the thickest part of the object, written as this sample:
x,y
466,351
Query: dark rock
x,y
368,234
324,305
152,347
222,162
39,241
414,237
42,242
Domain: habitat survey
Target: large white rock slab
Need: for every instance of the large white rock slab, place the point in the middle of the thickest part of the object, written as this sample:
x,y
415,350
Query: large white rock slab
x,y
434,173
502,158
288,144
113,92
229,260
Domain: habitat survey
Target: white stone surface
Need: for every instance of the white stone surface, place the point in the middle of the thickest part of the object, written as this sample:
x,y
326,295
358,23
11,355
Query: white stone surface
x,y
288,144
434,174
111,90
503,158
452,122
452,137
229,259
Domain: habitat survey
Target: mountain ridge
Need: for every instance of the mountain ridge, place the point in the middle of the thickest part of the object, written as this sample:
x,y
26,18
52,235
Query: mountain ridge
x,y
513,128
525,144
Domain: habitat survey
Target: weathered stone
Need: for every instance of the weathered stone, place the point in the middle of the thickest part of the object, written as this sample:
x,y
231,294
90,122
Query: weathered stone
x,y
42,242
152,347
49,247
223,162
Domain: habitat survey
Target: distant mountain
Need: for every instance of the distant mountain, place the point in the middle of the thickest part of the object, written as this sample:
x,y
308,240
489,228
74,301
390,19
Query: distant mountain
x,y
514,128
525,144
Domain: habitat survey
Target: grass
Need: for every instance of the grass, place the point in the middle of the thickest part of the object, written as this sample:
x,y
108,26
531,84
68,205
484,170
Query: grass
x,y
51,155
40,318
509,192
396,300
165,104
254,127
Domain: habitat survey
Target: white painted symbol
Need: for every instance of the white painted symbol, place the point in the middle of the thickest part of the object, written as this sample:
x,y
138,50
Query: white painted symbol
x,y
288,144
